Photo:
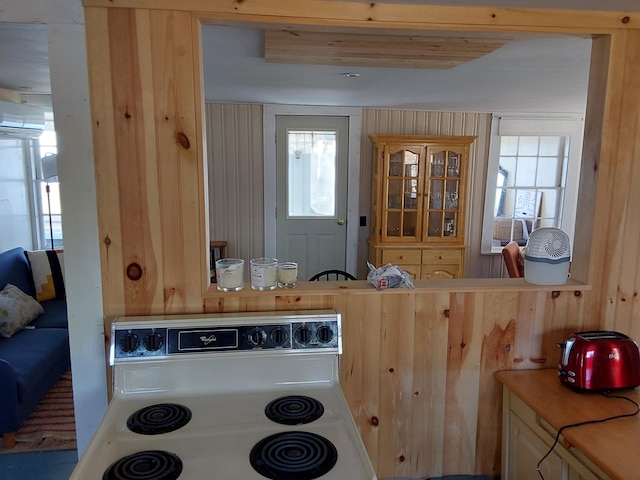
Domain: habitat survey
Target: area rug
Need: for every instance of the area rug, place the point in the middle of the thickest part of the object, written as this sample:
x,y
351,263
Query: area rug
x,y
51,426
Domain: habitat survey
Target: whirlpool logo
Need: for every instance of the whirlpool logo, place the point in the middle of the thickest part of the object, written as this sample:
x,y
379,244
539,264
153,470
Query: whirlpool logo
x,y
207,340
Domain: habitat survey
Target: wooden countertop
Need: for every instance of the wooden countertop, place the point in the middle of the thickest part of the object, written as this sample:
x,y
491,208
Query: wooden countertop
x,y
611,446
352,287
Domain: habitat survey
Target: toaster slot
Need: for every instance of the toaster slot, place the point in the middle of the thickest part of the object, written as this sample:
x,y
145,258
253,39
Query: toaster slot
x,y
602,335
567,350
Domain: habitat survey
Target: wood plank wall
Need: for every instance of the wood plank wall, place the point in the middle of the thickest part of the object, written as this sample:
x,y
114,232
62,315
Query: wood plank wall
x,y
418,365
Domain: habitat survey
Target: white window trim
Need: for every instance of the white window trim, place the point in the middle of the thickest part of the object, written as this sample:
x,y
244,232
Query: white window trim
x,y
531,124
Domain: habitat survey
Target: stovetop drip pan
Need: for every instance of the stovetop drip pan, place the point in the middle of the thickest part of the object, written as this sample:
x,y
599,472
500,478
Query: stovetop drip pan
x,y
293,456
159,418
294,410
146,465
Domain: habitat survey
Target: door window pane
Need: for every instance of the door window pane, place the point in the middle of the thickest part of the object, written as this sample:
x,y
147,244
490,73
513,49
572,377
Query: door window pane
x,y
311,173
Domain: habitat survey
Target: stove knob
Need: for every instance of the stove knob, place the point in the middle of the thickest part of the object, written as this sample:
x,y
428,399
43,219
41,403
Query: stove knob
x,y
153,341
257,336
279,336
303,335
324,334
129,342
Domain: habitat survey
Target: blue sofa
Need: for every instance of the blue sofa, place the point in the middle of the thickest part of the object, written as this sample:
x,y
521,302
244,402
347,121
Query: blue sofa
x,y
33,359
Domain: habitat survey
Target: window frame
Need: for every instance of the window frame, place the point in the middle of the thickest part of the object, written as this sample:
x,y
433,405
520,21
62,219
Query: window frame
x,y
509,124
41,217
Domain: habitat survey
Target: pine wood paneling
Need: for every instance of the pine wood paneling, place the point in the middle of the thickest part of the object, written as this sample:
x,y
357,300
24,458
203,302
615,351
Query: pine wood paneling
x,y
381,15
614,264
104,146
627,250
359,366
429,380
418,365
151,199
392,51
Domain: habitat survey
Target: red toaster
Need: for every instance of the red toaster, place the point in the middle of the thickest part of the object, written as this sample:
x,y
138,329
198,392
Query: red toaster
x,y
599,360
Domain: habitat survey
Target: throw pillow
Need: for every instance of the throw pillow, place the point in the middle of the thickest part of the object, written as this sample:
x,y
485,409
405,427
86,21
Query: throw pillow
x,y
47,267
16,310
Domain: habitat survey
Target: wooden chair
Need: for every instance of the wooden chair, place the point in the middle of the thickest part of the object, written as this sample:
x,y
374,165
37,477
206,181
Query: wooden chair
x,y
513,259
332,275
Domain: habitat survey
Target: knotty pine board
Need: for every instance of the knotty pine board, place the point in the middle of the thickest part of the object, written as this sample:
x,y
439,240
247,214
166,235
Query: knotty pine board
x,y
437,412
418,366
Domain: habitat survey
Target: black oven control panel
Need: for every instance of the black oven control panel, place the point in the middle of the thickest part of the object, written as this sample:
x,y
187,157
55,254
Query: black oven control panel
x,y
148,342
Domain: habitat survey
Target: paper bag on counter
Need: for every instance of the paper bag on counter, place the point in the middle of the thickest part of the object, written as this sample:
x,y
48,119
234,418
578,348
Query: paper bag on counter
x,y
388,276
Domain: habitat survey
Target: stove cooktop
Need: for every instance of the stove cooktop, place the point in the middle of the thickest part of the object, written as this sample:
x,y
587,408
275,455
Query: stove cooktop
x,y
222,433
227,398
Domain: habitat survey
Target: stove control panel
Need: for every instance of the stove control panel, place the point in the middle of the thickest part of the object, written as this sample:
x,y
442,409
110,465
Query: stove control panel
x,y
137,342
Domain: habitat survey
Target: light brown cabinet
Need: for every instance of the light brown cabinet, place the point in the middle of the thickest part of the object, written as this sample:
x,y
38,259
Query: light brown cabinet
x,y
418,204
536,405
527,439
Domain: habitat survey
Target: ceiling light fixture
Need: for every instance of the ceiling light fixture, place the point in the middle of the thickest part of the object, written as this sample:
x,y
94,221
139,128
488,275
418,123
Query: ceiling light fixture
x,y
350,75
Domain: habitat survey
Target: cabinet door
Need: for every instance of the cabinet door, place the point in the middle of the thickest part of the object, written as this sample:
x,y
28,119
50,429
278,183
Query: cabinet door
x,y
525,451
403,184
444,201
579,473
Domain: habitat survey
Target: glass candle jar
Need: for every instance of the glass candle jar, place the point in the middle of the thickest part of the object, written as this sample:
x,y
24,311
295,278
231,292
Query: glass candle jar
x,y
230,274
287,274
264,273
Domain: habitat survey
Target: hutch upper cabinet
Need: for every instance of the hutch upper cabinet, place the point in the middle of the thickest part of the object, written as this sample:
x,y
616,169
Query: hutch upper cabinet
x,y
418,204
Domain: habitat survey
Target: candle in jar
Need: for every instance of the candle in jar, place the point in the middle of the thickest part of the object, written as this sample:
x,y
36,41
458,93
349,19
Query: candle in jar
x,y
230,274
287,274
264,273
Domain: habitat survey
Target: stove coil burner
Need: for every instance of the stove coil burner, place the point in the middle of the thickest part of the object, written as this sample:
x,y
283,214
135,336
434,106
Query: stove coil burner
x,y
147,465
159,418
293,456
294,410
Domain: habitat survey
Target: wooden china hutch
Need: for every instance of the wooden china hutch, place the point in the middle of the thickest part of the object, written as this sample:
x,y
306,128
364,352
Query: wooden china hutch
x,y
418,202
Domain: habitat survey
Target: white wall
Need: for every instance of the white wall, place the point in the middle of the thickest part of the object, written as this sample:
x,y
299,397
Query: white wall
x,y
70,99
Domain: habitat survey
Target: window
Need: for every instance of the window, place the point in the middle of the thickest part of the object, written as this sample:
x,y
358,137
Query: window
x,y
532,177
50,218
311,171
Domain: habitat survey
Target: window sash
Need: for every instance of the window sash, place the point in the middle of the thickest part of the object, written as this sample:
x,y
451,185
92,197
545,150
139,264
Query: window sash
x,y
570,126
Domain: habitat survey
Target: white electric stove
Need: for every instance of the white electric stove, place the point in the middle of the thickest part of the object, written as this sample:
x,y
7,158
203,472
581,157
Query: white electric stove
x,y
226,396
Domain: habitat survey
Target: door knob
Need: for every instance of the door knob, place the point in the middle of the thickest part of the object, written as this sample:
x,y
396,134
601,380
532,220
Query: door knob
x,y
341,221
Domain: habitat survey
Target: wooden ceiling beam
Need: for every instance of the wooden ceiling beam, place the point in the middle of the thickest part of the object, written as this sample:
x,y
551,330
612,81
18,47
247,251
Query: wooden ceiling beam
x,y
390,51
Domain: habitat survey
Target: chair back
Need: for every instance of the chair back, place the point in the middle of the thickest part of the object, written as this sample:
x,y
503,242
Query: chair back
x,y
332,275
513,259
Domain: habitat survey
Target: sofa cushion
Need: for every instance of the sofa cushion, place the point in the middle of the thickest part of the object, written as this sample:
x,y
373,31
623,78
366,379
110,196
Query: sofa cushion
x,y
14,269
36,356
47,270
17,309
54,316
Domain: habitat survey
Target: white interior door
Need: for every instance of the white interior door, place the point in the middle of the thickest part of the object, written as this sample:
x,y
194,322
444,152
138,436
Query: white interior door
x,y
311,192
